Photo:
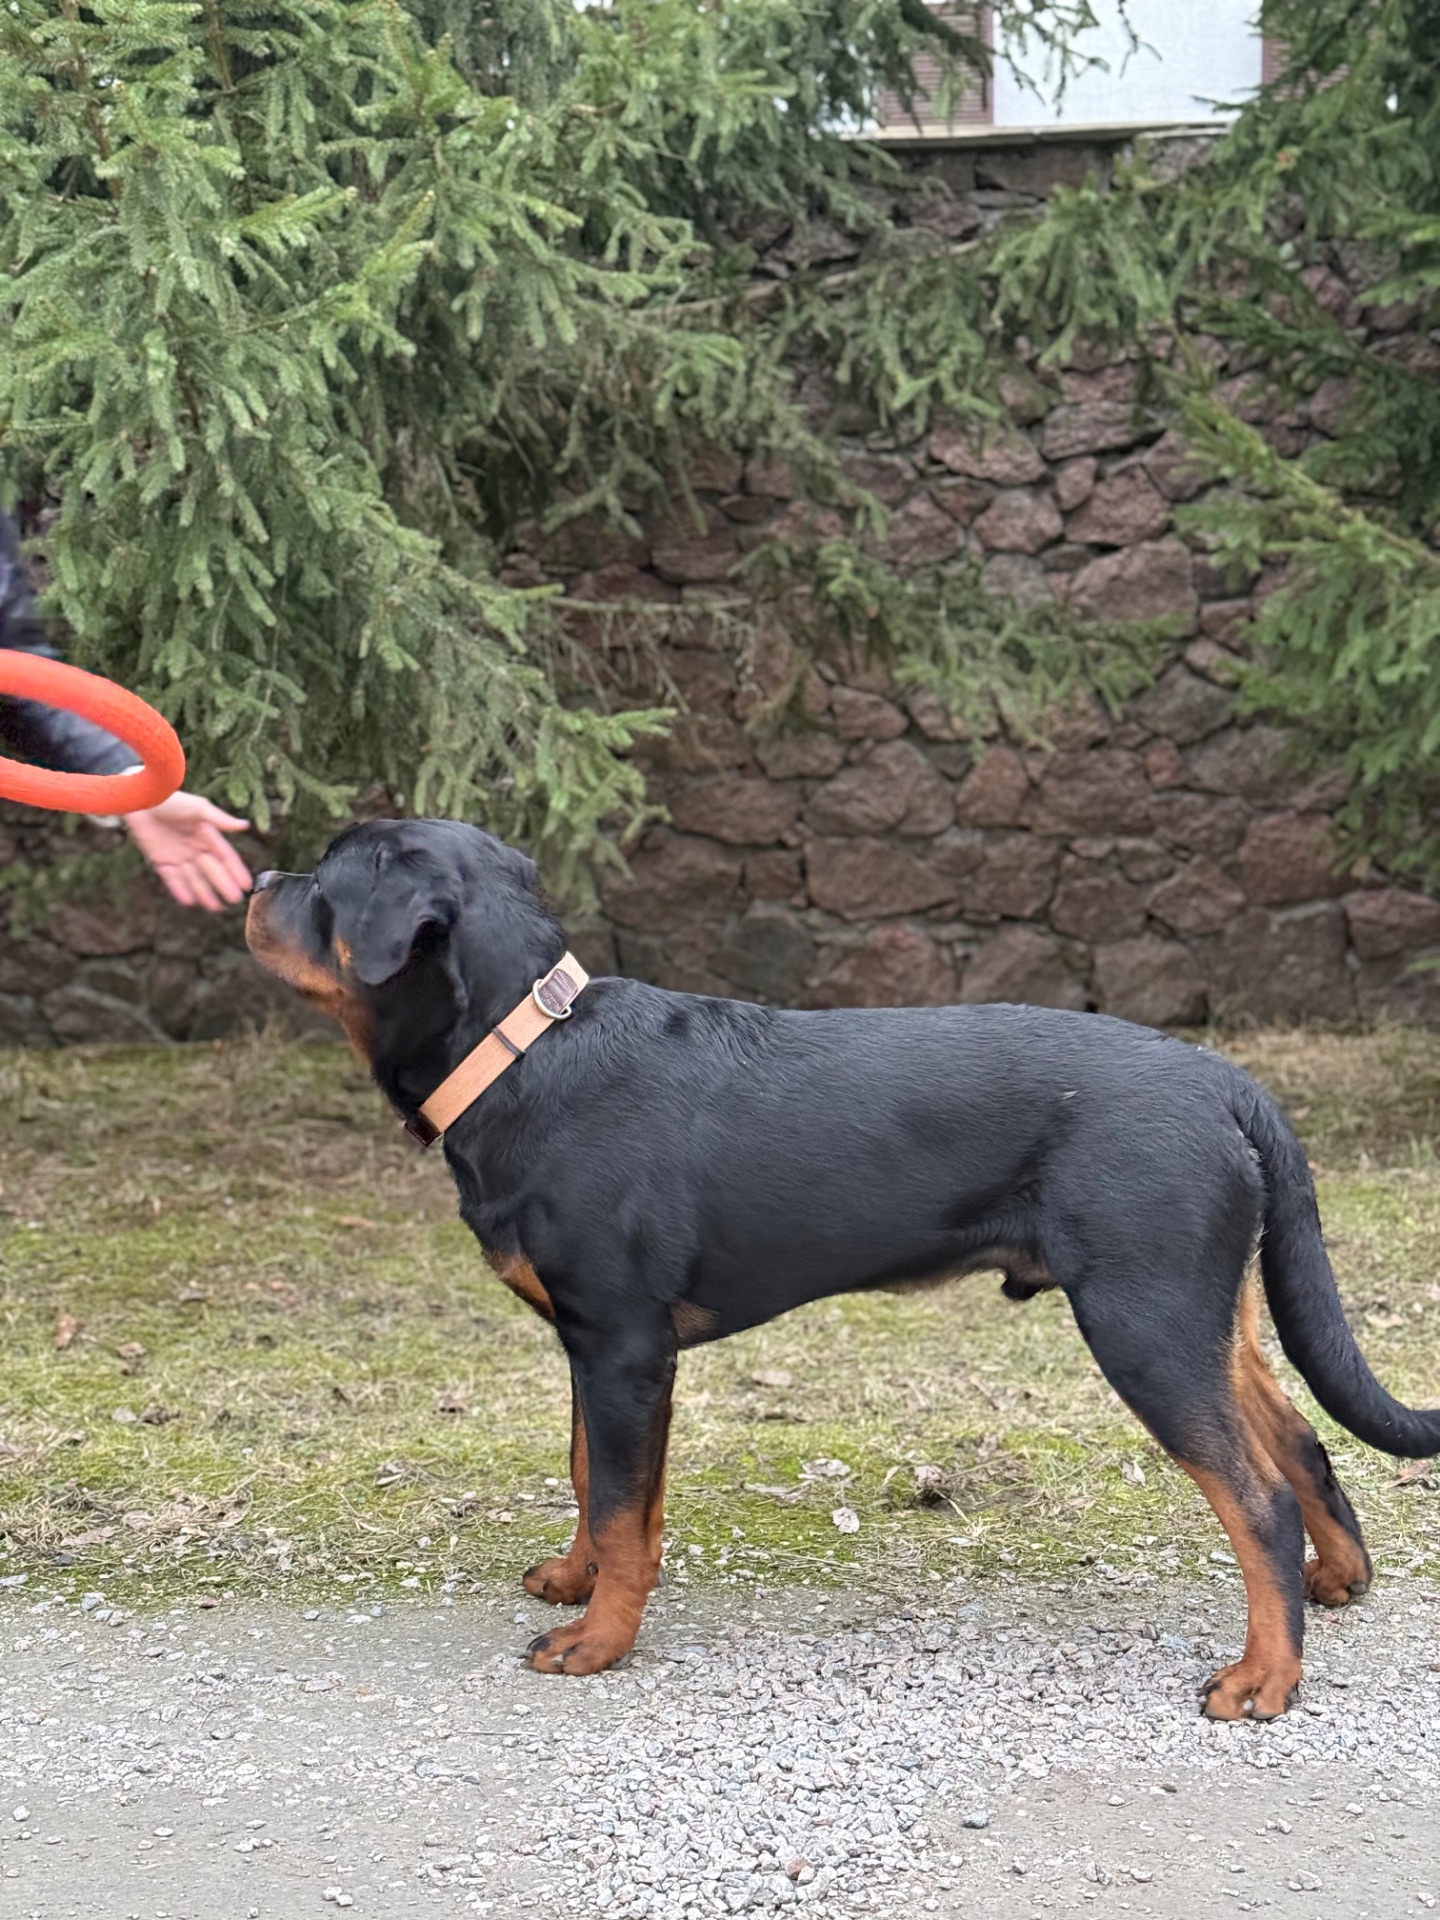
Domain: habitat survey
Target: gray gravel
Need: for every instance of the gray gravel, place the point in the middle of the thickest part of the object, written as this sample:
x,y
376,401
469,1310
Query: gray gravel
x,y
1002,1751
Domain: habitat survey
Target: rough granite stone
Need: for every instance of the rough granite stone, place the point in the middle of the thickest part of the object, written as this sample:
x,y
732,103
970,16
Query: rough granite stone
x,y
865,716
1014,879
1151,581
1019,520
737,808
1288,857
993,792
1184,707
1096,906
1391,921
677,878
1285,966
1024,966
767,954
1004,459
896,965
865,878
1103,790
1155,982
1120,511
1200,898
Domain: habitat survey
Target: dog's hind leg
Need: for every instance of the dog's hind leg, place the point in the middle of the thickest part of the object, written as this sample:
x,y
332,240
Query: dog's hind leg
x,y
624,1376
569,1579
1169,1355
1341,1569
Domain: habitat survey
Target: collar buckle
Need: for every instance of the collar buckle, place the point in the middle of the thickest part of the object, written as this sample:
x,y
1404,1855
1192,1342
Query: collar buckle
x,y
422,1131
555,994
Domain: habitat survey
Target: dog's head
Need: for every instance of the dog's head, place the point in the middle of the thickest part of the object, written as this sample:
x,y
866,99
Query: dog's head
x,y
408,932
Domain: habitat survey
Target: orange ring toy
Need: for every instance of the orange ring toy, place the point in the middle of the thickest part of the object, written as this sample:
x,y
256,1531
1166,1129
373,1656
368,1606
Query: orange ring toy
x,y
25,676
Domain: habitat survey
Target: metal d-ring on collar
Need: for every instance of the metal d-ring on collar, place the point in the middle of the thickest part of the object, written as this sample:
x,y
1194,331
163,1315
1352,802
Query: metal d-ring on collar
x,y
551,998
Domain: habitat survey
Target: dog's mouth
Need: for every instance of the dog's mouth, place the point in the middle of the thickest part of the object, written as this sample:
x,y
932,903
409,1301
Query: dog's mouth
x,y
281,952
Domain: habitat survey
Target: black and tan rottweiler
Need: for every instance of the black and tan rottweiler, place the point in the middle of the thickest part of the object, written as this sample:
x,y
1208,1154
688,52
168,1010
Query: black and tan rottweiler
x,y
651,1170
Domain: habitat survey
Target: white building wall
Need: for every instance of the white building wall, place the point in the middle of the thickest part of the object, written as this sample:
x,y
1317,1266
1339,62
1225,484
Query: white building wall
x,y
1191,53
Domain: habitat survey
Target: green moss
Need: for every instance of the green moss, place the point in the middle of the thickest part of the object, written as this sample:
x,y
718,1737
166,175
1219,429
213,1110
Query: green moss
x,y
334,1390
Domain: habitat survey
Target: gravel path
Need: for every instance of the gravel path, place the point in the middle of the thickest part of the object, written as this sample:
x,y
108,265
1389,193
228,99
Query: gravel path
x,y
1003,1752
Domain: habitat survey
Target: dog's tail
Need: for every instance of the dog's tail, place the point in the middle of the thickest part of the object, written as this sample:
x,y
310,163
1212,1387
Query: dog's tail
x,y
1303,1299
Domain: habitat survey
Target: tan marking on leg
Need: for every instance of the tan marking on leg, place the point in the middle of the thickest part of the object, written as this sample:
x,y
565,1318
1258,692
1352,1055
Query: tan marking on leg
x,y
627,1550
1262,1680
569,1579
521,1278
1341,1569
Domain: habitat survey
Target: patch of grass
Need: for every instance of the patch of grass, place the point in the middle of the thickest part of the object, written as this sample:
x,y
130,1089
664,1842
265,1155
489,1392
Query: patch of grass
x,y
291,1367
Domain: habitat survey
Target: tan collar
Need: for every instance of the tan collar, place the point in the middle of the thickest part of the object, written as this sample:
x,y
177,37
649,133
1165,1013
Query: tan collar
x,y
550,999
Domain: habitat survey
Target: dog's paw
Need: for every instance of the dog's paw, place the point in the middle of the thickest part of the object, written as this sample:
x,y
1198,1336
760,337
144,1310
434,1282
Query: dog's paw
x,y
1251,1690
577,1648
1334,1587
563,1582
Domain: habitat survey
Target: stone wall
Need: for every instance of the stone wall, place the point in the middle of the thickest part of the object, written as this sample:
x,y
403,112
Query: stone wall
x,y
1167,866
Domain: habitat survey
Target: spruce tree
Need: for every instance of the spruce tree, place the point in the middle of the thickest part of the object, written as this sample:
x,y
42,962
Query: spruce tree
x,y
307,304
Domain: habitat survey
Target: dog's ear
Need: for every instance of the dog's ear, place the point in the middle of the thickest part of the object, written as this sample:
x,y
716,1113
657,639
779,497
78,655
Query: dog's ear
x,y
376,930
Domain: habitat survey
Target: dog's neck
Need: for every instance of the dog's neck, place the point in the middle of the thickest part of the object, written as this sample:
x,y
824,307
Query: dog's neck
x,y
458,991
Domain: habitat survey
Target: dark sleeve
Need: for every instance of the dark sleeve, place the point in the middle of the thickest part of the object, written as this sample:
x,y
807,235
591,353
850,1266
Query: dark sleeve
x,y
45,736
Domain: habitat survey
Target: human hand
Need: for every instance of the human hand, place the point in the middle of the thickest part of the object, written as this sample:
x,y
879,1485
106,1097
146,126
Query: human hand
x,y
183,839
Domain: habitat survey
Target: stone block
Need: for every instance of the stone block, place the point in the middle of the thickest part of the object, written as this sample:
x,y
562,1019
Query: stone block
x,y
865,716
1024,967
1014,879
738,809
78,1015
1121,511
1075,482
1281,967
1250,762
1100,791
1018,578
1200,822
921,534
790,756
104,927
1151,581
1096,906
1200,898
680,878
21,1023
1184,707
767,954
30,965
1089,426
775,876
1289,857
896,965
874,795
1019,520
1174,469
1400,988
863,878
1155,982
1005,459
888,476
1391,921
994,791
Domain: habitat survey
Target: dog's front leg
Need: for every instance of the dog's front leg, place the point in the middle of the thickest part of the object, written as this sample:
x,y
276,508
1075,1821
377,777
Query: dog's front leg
x,y
569,1579
624,1375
